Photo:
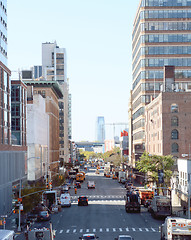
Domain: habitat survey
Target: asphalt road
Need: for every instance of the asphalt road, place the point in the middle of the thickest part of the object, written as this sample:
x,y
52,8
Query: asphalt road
x,y
105,215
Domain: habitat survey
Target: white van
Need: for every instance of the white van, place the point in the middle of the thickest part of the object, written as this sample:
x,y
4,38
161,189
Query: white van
x,y
6,235
65,200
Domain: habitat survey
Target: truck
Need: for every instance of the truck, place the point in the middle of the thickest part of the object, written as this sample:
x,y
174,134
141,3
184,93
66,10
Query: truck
x,y
40,233
145,194
132,202
50,198
160,206
107,169
176,228
6,234
121,176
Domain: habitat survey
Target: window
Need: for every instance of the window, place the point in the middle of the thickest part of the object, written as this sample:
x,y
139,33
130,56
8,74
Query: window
x,y
174,121
174,108
175,148
174,134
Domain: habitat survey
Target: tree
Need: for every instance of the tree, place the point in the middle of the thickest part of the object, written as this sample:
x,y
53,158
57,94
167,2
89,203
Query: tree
x,y
152,164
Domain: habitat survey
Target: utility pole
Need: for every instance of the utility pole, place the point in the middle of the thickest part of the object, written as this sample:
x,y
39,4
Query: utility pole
x,y
19,225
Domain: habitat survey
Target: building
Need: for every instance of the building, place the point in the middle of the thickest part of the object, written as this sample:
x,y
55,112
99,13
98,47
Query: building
x,y
37,136
51,92
161,37
100,124
54,63
96,147
12,158
167,124
18,112
167,120
54,68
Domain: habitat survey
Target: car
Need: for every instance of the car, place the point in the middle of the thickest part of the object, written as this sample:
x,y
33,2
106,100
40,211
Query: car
x,y
78,185
147,203
124,237
123,180
91,184
82,201
43,216
114,176
89,236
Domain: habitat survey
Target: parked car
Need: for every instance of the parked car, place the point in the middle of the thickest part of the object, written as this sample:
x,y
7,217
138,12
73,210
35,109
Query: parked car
x,y
88,236
124,237
43,216
82,201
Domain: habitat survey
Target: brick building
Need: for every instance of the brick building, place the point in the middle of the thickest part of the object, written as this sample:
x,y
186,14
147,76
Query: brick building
x,y
167,124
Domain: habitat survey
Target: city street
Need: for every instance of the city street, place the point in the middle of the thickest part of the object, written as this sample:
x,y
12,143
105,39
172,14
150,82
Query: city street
x,y
105,215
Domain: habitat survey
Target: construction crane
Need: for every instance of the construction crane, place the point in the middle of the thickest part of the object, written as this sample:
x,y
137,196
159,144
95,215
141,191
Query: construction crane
x,y
114,124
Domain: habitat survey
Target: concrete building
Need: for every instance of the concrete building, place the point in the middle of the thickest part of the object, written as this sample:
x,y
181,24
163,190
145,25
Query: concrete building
x,y
161,37
54,68
51,92
100,125
37,137
12,158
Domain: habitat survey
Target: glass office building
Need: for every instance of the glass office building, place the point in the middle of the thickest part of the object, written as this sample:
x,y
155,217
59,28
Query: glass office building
x,y
161,37
100,129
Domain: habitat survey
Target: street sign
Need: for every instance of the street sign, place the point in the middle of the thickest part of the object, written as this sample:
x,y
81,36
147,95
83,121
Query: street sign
x,y
3,216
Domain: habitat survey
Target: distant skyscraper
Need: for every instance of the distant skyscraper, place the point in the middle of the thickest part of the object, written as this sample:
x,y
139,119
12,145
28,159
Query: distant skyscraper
x,y
100,129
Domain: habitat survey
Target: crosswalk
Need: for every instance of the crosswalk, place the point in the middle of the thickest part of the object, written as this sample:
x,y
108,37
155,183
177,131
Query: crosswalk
x,y
107,230
101,197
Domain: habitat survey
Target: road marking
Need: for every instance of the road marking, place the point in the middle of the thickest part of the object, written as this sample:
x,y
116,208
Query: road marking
x,y
101,230
114,230
127,229
68,231
120,229
94,230
107,229
133,229
153,229
81,230
87,230
146,229
140,229
61,231
74,230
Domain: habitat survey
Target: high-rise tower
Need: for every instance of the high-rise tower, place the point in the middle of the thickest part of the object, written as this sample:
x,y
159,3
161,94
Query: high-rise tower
x,y
100,129
54,68
161,37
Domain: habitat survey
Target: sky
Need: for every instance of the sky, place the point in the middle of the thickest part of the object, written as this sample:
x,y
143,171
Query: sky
x,y
97,36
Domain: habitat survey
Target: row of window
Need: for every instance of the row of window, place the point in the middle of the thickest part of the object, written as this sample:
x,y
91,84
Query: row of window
x,y
164,3
179,74
165,14
166,26
160,38
166,50
161,62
